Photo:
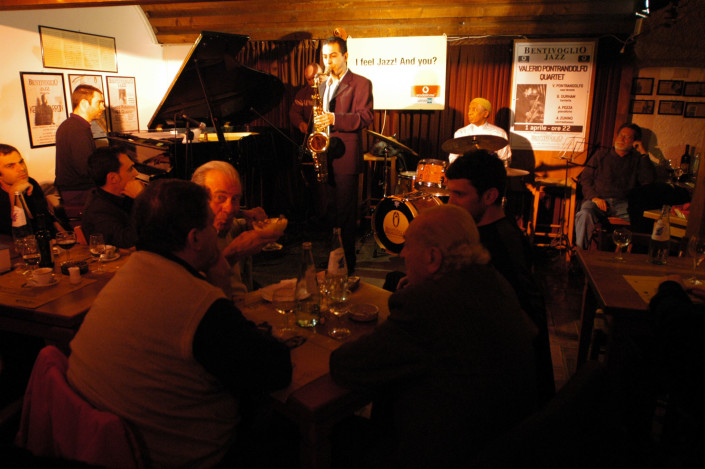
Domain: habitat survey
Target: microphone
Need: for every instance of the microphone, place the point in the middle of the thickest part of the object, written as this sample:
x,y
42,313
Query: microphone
x,y
192,121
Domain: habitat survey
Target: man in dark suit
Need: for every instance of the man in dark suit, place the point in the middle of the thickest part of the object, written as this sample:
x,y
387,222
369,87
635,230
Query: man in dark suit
x,y
347,105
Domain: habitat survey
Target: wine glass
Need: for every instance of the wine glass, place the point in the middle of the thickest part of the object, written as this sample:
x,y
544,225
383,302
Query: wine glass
x,y
338,305
621,237
30,251
271,227
696,250
96,246
284,303
66,240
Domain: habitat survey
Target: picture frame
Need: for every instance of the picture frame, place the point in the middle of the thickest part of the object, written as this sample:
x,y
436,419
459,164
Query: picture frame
x,y
670,108
122,93
694,88
670,87
642,106
44,97
695,110
62,48
99,126
642,86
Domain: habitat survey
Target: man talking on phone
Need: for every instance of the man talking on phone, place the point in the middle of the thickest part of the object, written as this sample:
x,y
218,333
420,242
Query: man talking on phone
x,y
607,180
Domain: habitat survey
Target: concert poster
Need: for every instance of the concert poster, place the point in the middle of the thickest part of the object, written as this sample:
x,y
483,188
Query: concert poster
x,y
45,106
123,104
551,94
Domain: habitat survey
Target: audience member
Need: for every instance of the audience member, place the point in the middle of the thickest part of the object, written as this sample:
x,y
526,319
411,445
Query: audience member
x,y
110,203
607,180
476,182
452,366
163,348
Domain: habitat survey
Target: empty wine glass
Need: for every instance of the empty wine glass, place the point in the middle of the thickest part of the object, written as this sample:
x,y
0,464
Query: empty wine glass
x,y
621,237
338,306
271,227
696,250
66,240
96,246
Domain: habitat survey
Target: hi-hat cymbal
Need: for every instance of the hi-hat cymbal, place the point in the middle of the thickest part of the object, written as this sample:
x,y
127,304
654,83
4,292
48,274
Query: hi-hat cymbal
x,y
392,141
512,172
461,145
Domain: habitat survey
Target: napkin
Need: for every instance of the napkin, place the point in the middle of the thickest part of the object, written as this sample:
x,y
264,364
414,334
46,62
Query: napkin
x,y
268,291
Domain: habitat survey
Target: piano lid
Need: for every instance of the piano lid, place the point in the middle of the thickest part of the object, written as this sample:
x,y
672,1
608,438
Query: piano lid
x,y
231,88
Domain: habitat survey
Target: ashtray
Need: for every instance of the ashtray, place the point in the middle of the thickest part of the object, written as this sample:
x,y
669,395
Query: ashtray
x,y
82,267
364,312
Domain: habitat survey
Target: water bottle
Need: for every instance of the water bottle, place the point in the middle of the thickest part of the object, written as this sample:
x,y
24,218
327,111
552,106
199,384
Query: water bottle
x,y
337,273
308,296
21,216
660,238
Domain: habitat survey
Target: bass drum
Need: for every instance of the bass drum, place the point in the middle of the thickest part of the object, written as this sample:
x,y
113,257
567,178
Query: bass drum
x,y
393,215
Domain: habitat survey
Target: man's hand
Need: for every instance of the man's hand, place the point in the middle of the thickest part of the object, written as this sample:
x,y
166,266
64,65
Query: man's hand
x,y
601,203
324,120
246,244
219,275
133,188
303,127
639,146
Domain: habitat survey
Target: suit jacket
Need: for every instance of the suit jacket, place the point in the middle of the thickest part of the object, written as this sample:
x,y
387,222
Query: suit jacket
x,y
352,106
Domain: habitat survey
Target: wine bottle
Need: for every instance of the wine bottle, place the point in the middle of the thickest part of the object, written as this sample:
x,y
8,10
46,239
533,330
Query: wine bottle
x,y
659,243
44,242
685,164
21,217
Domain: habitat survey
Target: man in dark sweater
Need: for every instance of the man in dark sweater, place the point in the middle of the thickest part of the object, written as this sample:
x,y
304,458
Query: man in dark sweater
x,y
476,182
608,179
108,208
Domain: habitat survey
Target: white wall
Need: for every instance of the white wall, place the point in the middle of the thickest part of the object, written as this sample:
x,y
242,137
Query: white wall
x,y
138,55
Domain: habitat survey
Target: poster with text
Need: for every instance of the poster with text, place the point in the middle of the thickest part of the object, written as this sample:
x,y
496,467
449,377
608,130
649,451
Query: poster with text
x,y
406,72
45,106
123,104
551,94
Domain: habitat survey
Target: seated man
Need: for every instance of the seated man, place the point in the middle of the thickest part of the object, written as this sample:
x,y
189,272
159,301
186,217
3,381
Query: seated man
x,y
479,111
14,177
476,182
236,242
452,366
609,178
109,205
163,348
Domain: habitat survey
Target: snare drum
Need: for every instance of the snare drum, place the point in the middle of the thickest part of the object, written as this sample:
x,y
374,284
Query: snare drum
x,y
393,215
405,182
430,174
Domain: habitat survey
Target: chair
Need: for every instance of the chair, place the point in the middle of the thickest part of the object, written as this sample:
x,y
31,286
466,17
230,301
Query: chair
x,y
57,422
80,236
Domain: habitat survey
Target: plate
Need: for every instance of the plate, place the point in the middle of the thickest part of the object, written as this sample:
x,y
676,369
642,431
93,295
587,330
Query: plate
x,y
115,257
33,283
268,291
364,312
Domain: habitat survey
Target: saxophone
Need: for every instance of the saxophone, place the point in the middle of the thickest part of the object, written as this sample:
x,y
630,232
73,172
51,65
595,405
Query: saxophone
x,y
318,141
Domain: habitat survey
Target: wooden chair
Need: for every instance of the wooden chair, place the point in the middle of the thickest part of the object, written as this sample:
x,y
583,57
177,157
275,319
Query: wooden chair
x,y
80,236
56,422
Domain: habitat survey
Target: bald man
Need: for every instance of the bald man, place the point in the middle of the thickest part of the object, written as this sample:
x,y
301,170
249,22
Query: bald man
x,y
479,111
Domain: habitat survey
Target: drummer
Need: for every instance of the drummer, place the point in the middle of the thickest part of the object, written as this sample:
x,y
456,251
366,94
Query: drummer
x,y
478,112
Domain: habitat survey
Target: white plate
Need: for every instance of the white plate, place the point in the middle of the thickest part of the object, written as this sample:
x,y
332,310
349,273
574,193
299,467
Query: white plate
x,y
33,283
268,291
115,257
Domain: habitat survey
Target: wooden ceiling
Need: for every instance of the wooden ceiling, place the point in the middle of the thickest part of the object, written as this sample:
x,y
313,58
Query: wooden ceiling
x,y
180,21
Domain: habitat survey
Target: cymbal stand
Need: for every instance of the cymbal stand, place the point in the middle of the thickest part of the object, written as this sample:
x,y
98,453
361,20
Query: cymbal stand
x,y
385,172
562,241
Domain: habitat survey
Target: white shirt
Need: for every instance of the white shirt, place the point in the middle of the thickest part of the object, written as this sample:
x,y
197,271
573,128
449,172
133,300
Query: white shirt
x,y
505,154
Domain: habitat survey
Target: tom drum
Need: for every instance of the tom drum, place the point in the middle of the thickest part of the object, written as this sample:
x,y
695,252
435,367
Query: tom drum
x,y
430,174
405,182
393,215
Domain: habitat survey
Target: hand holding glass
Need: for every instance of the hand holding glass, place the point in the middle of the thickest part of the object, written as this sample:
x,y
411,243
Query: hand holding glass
x,y
621,237
696,250
271,227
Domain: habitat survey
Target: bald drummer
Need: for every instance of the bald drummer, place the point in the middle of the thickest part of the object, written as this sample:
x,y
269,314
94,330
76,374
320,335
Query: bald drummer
x,y
479,110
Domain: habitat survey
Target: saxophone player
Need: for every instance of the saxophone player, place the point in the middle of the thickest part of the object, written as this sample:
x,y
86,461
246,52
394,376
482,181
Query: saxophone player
x,y
348,109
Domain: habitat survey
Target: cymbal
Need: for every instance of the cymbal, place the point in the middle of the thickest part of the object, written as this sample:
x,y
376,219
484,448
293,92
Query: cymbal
x,y
512,172
474,142
392,141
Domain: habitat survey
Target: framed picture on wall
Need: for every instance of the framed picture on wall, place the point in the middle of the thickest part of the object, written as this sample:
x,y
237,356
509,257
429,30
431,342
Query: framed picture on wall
x,y
99,126
670,108
44,98
696,110
670,87
642,86
694,88
123,103
642,106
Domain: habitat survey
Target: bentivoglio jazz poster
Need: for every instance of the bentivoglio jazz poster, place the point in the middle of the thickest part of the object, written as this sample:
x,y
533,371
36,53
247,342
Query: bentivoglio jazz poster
x,y
551,94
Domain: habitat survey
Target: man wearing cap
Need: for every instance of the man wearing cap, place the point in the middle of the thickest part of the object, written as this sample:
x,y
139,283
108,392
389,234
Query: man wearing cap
x,y
479,110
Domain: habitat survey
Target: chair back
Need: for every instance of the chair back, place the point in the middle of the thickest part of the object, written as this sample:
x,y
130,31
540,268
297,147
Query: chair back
x,y
80,236
57,422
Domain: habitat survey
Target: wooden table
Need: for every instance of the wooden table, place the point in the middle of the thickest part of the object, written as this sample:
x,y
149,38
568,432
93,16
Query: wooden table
x,y
312,400
57,320
607,288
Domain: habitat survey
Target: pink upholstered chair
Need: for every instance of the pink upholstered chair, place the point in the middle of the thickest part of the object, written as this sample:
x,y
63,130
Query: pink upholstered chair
x,y
57,422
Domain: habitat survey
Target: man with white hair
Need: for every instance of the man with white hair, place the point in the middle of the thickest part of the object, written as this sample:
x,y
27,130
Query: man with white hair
x,y
237,241
479,110
452,367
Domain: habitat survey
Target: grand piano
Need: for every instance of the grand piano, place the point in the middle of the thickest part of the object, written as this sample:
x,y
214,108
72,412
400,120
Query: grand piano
x,y
212,90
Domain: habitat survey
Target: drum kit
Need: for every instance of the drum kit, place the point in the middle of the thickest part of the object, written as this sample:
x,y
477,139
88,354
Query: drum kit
x,y
422,189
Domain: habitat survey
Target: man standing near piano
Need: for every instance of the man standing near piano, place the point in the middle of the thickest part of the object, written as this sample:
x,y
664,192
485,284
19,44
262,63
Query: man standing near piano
x,y
479,110
348,109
